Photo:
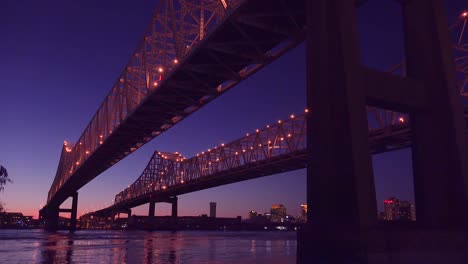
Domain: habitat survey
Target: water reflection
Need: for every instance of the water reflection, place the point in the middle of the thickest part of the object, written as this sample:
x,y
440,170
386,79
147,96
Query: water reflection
x,y
57,248
26,246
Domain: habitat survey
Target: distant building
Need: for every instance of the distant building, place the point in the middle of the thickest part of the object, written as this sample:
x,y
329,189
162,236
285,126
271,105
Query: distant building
x,y
303,217
381,216
213,209
252,215
278,213
396,210
404,212
267,216
16,220
390,208
413,212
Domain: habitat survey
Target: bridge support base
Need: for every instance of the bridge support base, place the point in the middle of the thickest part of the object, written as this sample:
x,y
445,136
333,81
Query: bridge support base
x,y
342,215
50,217
387,245
152,206
174,207
74,210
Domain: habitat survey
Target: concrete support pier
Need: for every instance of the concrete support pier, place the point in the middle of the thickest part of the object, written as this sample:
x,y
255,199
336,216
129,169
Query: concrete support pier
x,y
339,170
174,207
74,212
152,206
50,216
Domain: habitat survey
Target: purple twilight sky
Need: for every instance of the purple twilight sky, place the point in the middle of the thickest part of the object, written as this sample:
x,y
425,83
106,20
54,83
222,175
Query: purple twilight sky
x,y
59,59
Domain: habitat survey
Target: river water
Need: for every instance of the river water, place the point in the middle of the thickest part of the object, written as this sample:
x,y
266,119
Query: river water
x,y
38,246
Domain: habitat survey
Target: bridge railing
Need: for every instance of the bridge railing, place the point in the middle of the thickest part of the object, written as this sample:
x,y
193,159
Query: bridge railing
x,y
176,27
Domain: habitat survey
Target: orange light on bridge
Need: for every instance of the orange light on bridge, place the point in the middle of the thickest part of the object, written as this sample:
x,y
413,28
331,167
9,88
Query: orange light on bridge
x,y
401,120
306,110
160,69
77,163
279,121
101,136
155,84
164,187
237,153
181,181
87,152
465,14
222,145
257,130
292,116
176,61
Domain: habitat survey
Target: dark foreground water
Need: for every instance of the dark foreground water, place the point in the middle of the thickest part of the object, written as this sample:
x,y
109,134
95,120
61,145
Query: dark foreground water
x,y
37,246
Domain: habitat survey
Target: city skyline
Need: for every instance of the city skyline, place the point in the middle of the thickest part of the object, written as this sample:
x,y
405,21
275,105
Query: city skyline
x,y
53,87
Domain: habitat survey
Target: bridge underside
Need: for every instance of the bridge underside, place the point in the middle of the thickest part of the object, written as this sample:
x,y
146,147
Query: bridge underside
x,y
245,42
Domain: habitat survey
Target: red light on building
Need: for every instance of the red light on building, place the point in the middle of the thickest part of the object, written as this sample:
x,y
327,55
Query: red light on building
x,y
388,201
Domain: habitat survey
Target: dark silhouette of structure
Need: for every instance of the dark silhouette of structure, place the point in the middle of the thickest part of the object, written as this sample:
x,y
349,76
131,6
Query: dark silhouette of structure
x,y
213,209
338,89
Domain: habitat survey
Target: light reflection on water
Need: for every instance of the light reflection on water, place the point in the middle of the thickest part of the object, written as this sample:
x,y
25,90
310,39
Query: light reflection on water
x,y
37,246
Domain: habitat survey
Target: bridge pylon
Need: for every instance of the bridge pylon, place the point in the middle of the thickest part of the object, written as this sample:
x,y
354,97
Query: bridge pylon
x,y
343,226
50,215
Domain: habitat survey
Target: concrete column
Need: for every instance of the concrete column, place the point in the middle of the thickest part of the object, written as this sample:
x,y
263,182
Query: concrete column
x,y
174,207
152,206
340,184
439,141
129,214
51,217
74,212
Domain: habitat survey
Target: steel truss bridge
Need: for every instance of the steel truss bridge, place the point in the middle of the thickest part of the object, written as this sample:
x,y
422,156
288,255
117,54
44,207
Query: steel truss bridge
x,y
192,52
277,148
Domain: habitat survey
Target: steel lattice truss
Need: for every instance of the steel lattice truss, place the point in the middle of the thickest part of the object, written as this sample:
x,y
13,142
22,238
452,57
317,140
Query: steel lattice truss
x,y
176,27
283,142
165,171
183,61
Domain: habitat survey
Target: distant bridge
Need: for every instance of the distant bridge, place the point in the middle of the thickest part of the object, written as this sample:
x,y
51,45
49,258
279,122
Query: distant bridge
x,y
277,148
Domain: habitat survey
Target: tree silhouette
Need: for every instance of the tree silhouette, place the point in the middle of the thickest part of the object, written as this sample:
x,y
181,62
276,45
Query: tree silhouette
x,y
3,177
